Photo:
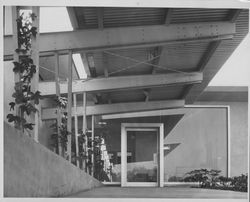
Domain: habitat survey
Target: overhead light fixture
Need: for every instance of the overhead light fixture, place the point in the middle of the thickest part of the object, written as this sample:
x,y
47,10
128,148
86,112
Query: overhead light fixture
x,y
79,65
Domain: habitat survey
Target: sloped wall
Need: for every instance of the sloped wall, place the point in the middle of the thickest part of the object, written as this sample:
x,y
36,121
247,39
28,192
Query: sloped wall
x,y
31,170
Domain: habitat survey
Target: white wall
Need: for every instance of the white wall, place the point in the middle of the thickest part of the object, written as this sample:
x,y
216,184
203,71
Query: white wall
x,y
239,135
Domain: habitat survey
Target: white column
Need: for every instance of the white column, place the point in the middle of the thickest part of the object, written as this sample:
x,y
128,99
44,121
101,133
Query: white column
x,y
84,125
92,144
69,122
57,82
76,131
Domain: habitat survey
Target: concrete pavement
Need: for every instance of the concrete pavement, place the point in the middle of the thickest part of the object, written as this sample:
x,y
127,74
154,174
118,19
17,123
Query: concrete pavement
x,y
156,192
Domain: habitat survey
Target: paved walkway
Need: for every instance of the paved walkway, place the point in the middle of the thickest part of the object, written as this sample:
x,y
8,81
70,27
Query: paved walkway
x,y
156,192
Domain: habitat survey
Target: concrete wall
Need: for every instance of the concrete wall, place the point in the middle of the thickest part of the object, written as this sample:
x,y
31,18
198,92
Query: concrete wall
x,y
31,170
238,135
201,142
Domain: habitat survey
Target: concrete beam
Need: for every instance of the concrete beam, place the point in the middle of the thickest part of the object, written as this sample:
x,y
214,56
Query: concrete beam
x,y
165,112
126,37
51,113
202,64
122,82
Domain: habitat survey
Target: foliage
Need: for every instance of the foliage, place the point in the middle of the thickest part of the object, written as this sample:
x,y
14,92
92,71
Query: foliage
x,y
200,176
25,32
99,163
240,183
25,99
85,154
84,138
62,137
211,179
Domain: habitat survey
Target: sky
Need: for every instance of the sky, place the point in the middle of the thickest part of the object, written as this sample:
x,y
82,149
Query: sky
x,y
235,72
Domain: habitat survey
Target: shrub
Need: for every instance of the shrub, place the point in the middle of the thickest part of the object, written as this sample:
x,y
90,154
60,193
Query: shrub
x,y
240,183
211,179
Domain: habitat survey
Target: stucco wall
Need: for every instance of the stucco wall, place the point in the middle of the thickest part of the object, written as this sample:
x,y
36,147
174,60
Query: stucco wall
x,y
238,135
201,142
31,170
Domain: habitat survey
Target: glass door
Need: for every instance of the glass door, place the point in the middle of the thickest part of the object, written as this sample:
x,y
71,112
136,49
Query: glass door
x,y
141,156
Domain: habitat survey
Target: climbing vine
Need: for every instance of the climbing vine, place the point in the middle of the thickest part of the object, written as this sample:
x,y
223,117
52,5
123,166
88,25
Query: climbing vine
x,y
25,99
61,138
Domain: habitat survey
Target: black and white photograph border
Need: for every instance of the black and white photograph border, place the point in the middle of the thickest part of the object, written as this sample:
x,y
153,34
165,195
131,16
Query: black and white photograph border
x,y
125,100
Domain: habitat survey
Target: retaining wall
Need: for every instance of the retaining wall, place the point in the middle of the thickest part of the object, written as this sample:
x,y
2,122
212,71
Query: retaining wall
x,y
31,170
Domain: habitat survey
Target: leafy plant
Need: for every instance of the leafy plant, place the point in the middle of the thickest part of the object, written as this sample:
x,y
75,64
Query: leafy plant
x,y
211,179
25,32
61,138
240,183
25,99
199,176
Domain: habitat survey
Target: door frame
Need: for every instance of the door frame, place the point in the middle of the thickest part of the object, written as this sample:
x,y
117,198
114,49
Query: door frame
x,y
141,127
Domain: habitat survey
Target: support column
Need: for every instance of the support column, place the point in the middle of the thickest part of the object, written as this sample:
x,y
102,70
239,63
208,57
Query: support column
x,y
69,114
15,15
84,127
35,58
59,118
76,130
92,143
15,38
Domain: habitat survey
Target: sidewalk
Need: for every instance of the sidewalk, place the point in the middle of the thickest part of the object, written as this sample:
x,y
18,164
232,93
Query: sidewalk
x,y
156,192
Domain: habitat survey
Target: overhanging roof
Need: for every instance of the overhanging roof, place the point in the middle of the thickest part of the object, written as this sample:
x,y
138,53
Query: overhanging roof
x,y
206,56
127,42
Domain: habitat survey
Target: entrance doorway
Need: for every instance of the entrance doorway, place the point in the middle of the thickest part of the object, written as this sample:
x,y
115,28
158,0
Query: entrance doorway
x,y
142,154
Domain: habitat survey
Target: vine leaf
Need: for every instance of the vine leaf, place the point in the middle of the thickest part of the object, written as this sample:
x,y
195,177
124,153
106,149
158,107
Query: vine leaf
x,y
11,118
36,97
33,16
19,97
32,70
28,108
33,31
19,86
29,126
12,105
18,68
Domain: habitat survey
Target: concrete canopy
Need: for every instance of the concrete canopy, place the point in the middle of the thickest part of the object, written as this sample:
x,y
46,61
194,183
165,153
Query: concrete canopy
x,y
119,42
206,56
